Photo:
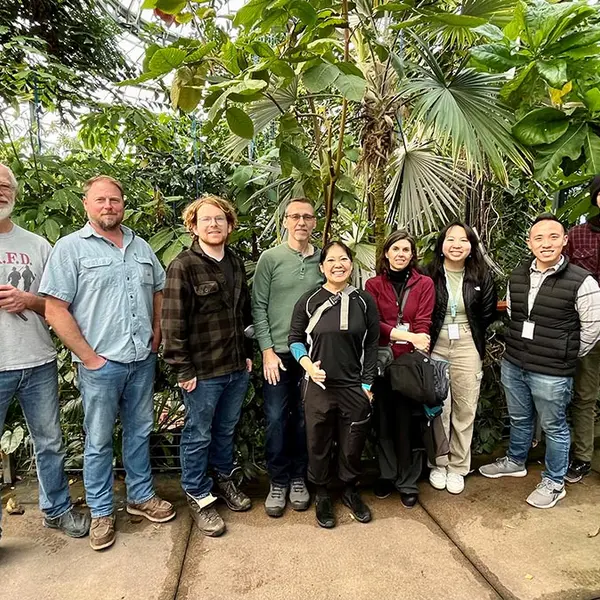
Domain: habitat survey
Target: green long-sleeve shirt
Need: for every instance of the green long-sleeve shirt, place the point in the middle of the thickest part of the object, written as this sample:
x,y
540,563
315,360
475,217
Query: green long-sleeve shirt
x,y
282,275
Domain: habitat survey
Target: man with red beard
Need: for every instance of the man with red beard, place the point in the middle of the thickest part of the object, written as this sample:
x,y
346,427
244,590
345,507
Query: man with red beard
x,y
206,311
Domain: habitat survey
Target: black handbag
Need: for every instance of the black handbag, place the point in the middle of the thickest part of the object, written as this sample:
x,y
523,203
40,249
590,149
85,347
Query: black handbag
x,y
420,378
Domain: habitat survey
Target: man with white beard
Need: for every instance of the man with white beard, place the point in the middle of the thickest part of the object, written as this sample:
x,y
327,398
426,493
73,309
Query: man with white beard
x,y
28,369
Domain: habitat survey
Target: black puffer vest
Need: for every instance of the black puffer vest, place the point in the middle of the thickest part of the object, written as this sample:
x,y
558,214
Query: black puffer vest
x,y
555,344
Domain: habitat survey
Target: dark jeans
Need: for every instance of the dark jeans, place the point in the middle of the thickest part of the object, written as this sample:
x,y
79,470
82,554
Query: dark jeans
x,y
212,412
286,429
336,414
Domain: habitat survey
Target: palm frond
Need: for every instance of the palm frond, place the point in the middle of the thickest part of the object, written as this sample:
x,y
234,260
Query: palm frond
x,y
462,110
424,187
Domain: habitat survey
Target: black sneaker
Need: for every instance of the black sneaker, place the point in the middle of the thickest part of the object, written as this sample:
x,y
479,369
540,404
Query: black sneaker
x,y
578,469
409,500
383,488
351,498
73,523
227,490
324,511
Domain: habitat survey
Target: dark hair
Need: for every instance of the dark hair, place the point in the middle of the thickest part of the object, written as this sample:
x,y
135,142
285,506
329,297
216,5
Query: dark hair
x,y
546,217
475,267
383,264
329,246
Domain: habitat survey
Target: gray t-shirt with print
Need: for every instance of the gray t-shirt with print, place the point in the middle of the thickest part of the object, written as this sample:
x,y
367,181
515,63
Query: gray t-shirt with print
x,y
23,344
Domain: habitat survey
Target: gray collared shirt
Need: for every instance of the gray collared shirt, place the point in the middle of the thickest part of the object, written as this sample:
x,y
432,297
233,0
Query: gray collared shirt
x,y
587,304
110,290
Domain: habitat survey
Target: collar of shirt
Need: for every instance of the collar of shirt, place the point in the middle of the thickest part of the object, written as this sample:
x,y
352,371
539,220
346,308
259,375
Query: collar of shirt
x,y
88,231
533,268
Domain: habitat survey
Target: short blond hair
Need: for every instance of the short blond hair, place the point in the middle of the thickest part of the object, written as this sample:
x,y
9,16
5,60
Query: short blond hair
x,y
90,182
190,212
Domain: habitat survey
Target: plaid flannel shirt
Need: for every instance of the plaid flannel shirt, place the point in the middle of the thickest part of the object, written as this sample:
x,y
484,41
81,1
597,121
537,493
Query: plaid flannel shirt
x,y
583,248
202,324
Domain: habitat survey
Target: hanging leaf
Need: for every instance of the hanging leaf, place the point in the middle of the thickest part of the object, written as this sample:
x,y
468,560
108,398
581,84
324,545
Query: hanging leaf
x,y
351,87
592,152
320,77
541,126
568,145
11,440
290,156
304,11
52,230
166,59
160,239
239,122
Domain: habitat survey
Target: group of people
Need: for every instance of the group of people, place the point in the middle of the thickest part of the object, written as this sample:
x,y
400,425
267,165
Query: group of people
x,y
106,296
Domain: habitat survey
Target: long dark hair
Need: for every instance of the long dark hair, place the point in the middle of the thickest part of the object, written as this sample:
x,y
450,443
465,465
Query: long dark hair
x,y
383,264
475,267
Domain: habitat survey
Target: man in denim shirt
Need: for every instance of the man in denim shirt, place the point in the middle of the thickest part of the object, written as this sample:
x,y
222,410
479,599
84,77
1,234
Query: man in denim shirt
x,y
104,295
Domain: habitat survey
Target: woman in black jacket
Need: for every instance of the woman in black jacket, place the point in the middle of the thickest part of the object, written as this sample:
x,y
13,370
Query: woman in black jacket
x,y
465,306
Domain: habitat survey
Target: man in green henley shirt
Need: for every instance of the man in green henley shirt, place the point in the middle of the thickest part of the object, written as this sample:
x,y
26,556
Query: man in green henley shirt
x,y
283,274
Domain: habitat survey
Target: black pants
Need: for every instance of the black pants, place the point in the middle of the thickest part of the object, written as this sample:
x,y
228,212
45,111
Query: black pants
x,y
400,447
335,414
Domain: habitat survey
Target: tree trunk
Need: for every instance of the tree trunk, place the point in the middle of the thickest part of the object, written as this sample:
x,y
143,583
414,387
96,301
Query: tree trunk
x,y
377,192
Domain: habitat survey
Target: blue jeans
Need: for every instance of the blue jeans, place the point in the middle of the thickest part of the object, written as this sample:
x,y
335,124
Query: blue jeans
x,y
286,452
124,389
37,391
527,392
212,411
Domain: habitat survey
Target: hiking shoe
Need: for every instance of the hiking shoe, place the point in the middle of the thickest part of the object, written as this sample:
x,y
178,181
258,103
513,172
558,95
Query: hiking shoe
x,y
503,467
455,483
102,532
155,510
578,469
207,519
351,498
324,511
546,494
383,488
275,502
73,523
234,498
438,477
409,500
299,496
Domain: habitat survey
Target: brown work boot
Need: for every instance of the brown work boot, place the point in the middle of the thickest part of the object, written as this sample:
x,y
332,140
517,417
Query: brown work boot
x,y
102,532
155,510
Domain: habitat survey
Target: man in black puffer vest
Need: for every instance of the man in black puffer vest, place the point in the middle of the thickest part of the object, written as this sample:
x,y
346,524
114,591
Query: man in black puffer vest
x,y
554,309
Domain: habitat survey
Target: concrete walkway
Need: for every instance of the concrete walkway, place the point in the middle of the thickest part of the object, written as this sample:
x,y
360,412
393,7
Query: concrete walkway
x,y
485,543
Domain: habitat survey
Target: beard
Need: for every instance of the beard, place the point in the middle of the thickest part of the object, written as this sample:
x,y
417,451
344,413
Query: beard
x,y
6,211
109,222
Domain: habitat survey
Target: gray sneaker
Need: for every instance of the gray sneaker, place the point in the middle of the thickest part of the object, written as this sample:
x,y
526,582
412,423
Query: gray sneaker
x,y
275,502
546,494
503,467
207,519
299,496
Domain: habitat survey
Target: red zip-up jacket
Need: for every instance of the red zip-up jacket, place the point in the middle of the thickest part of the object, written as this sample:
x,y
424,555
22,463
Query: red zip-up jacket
x,y
417,311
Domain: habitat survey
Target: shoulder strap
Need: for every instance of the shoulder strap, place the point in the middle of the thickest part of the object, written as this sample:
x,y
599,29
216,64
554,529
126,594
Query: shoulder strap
x,y
345,308
403,304
344,298
316,316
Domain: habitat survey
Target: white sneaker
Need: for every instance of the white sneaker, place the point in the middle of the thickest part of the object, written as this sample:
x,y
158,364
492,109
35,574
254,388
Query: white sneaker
x,y
437,478
455,483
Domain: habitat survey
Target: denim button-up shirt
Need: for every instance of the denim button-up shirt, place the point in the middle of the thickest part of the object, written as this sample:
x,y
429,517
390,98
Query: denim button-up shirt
x,y
110,290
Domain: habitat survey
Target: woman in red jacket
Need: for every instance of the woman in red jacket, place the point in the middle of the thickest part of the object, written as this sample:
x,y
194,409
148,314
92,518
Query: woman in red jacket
x,y
405,299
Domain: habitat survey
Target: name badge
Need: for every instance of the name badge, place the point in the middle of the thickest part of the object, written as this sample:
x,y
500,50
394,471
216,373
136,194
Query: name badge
x,y
403,327
528,329
453,331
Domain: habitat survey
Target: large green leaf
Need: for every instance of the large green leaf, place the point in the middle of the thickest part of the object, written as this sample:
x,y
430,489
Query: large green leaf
x,y
172,251
321,76
291,156
592,152
52,229
250,13
541,126
304,11
457,20
553,71
171,7
592,99
490,31
568,145
577,39
11,440
497,57
521,86
166,59
351,87
239,122
161,238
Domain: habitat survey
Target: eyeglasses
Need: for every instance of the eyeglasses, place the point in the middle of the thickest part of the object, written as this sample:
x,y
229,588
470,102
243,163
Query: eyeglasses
x,y
209,220
296,217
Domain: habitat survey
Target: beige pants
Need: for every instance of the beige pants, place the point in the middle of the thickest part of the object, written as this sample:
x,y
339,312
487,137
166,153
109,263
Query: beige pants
x,y
460,407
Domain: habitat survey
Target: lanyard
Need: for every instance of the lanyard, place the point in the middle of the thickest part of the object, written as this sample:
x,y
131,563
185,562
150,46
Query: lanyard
x,y
453,297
